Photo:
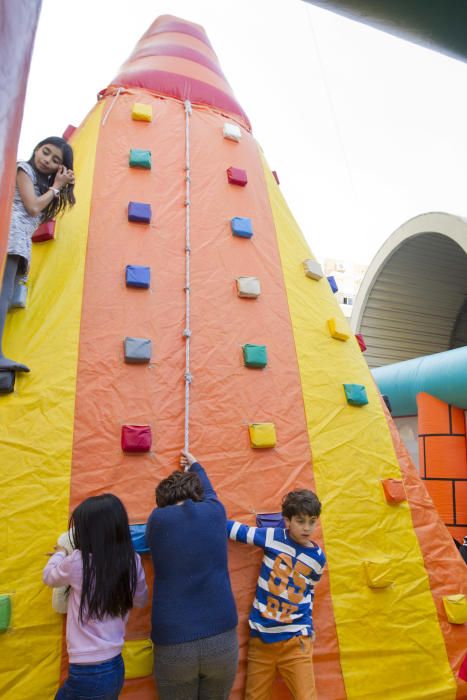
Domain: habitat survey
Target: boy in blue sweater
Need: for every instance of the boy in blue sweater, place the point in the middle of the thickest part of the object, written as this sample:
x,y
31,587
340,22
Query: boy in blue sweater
x,y
281,624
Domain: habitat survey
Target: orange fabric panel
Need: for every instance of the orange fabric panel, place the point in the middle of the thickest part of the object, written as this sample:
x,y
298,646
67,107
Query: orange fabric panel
x,y
433,415
138,627
457,532
110,392
226,396
445,457
441,493
139,688
439,554
64,654
461,503
458,420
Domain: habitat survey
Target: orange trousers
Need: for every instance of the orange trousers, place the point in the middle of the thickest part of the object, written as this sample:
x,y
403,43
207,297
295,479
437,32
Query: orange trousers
x,y
293,659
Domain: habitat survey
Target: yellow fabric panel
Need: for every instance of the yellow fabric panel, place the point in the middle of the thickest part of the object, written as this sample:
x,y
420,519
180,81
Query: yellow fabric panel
x,y
391,645
138,658
36,438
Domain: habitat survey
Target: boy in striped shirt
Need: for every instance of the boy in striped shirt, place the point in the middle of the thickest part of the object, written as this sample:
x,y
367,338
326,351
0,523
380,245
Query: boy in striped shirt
x,y
281,624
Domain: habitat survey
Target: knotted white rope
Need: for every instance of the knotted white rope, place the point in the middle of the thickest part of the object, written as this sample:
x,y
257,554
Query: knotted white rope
x,y
187,331
106,115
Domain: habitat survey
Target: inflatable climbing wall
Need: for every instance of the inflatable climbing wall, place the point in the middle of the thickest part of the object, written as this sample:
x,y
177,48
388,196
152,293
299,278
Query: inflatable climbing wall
x,y
179,302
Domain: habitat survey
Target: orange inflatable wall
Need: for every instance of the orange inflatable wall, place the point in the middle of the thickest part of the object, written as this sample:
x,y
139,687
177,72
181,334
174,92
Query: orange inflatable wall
x,y
443,460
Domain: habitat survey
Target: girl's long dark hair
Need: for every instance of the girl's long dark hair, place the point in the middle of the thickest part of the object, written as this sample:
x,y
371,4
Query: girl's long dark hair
x,y
102,534
67,194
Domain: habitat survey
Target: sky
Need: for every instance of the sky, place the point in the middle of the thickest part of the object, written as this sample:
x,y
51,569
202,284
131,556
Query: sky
x,y
364,130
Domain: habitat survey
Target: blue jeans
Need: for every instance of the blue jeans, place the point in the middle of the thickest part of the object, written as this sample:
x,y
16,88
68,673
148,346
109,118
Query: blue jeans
x,y
102,681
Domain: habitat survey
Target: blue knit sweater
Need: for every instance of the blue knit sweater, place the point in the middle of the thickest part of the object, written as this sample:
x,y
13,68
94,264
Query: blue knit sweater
x,y
192,596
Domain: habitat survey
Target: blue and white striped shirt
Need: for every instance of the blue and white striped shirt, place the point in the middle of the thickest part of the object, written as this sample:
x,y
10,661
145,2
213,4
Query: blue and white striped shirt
x,y
283,604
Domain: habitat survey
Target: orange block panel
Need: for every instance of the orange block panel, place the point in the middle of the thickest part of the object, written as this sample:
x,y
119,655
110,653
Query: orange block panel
x,y
421,456
433,415
457,532
461,502
458,420
441,493
445,457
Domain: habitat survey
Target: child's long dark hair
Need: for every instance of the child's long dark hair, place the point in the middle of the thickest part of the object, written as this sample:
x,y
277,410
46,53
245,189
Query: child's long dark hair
x,y
102,534
67,194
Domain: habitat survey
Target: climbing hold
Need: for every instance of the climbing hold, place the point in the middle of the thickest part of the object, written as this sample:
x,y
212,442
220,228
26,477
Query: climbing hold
x,y
137,350
455,607
140,158
248,287
44,232
69,131
139,212
262,435
378,574
333,284
313,269
241,227
138,538
138,658
5,612
141,112
355,394
463,669
254,355
269,520
232,132
394,490
136,438
338,329
360,341
237,176
138,276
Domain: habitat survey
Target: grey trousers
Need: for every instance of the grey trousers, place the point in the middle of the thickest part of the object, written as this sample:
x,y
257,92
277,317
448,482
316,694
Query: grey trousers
x,y
200,670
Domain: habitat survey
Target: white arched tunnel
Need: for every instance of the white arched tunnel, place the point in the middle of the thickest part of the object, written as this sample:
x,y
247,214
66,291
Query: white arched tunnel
x,y
412,300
